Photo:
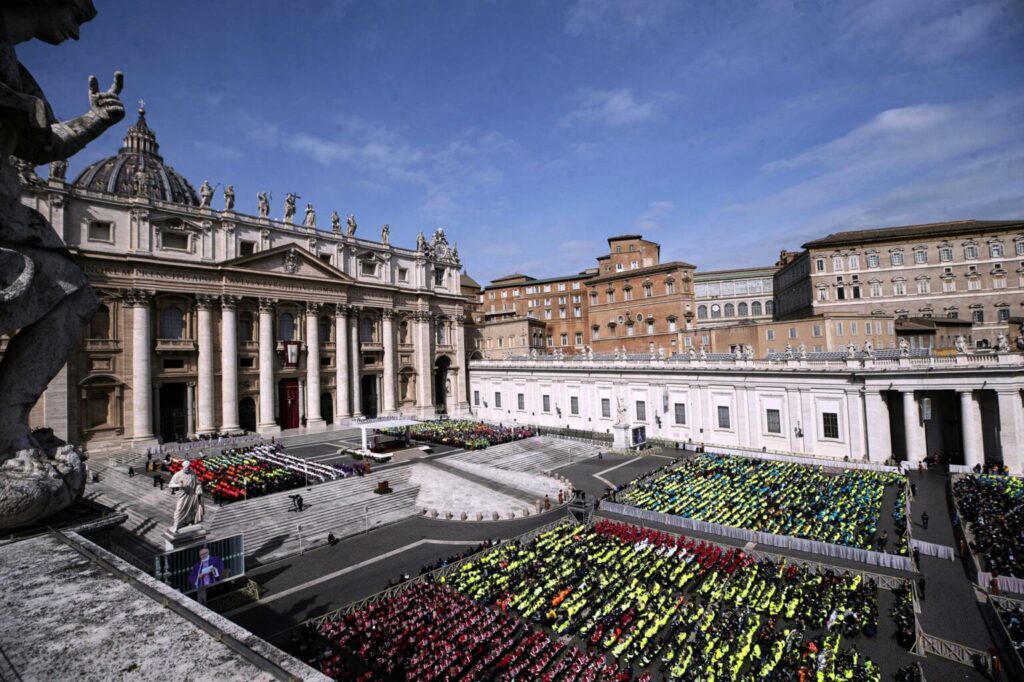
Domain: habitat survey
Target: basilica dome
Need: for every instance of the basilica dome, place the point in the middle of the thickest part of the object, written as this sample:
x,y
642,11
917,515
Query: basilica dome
x,y
138,170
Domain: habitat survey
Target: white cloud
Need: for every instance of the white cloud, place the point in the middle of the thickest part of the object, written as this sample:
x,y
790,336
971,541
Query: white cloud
x,y
619,21
650,220
216,150
611,107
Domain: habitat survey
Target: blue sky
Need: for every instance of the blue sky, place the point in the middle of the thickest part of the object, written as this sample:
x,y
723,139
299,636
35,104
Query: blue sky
x,y
532,130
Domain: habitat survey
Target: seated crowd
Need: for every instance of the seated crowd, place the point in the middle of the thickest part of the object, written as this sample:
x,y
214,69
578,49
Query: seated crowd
x,y
693,610
1013,619
242,473
994,508
775,497
462,433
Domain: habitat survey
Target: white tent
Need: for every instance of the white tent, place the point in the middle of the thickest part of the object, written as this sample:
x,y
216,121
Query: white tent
x,y
384,424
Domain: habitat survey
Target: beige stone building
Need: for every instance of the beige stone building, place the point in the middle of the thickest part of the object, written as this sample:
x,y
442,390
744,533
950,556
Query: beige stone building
x,y
728,297
969,269
821,334
217,321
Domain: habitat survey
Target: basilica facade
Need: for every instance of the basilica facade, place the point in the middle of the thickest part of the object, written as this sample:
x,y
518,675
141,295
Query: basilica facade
x,y
215,321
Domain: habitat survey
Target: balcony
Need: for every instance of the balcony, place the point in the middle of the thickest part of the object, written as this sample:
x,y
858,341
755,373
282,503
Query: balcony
x,y
371,346
103,345
249,345
175,345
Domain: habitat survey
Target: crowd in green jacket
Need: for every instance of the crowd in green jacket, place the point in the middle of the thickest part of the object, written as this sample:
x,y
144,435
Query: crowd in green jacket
x,y
774,497
693,610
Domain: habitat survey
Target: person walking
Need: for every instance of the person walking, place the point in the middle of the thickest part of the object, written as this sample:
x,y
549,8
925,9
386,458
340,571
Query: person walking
x,y
924,520
920,587
298,501
917,558
131,472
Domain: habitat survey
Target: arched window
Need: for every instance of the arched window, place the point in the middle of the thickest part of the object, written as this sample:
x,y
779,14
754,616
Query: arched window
x,y
99,328
366,330
245,327
403,332
742,309
325,329
171,323
769,307
441,334
286,327
702,312
755,308
730,310
716,311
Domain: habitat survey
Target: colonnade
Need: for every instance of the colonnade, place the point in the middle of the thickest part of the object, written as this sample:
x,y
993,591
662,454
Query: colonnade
x,y
347,397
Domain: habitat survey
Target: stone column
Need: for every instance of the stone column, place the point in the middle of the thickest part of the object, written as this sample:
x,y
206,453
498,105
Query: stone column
x,y
353,335
342,410
423,338
267,424
190,408
913,429
142,342
390,377
1010,429
229,364
314,420
876,414
207,421
970,427
461,383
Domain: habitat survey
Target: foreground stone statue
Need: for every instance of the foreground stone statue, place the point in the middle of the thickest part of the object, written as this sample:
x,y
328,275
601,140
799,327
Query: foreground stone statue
x,y
45,298
189,509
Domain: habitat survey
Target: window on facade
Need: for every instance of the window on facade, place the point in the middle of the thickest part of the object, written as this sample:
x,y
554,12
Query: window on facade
x,y
999,282
839,328
920,256
816,330
629,329
822,294
650,327
742,309
610,297
774,421
574,404
325,329
578,338
723,417
550,340
438,277
978,315
171,323
730,310
174,241
547,314
670,287
366,331
974,284
593,298
853,328
101,232
819,264
755,308
245,322
899,288
1003,314
945,253
403,274
520,401
680,413
876,289
545,402
896,258
923,286
970,252
286,327
442,333
595,332
565,339
246,248
770,334
948,285
641,411
561,313
99,326
648,291
873,260
476,398
830,424
867,328
716,310
618,267
995,250
627,295
702,312
606,407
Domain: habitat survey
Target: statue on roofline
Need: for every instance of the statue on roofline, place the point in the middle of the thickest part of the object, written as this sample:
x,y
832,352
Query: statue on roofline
x,y
335,222
263,204
45,298
229,198
350,225
205,194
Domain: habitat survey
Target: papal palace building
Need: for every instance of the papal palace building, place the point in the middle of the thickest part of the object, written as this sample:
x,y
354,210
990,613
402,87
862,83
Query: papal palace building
x,y
214,320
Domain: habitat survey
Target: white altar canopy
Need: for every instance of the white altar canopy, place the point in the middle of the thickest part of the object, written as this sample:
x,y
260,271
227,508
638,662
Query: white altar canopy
x,y
384,424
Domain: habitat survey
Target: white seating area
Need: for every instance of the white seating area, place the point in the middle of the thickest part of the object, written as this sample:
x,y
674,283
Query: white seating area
x,y
540,454
314,470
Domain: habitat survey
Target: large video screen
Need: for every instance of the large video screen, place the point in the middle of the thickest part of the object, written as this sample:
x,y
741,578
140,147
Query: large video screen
x,y
203,565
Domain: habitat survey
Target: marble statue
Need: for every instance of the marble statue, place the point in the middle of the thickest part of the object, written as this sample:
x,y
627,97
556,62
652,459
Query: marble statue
x,y
421,243
229,198
385,234
621,412
904,348
45,298
263,204
189,509
59,169
703,352
205,194
1002,343
310,218
140,183
350,225
802,351
335,222
851,350
961,344
869,348
789,350
748,352
289,207
692,353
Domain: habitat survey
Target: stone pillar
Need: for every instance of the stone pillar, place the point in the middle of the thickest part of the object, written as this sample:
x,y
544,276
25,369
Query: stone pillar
x,y
913,429
876,414
190,408
207,421
461,383
142,342
314,420
424,355
267,425
229,364
342,410
353,335
390,377
970,427
1010,431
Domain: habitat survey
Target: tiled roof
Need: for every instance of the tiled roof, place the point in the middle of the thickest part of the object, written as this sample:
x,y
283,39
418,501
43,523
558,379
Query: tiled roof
x,y
885,234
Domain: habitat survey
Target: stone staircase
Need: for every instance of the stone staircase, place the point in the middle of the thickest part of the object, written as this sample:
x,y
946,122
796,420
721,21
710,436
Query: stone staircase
x,y
150,510
345,507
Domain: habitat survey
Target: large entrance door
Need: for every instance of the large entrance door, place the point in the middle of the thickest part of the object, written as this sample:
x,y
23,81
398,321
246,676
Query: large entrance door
x,y
173,412
288,403
327,407
247,414
368,388
442,383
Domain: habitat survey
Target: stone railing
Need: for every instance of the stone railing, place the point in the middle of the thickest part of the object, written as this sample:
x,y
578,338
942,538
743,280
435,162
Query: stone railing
x,y
175,345
720,363
104,345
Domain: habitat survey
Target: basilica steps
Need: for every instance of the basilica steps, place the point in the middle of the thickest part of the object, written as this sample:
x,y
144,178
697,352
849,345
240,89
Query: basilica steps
x,y
540,454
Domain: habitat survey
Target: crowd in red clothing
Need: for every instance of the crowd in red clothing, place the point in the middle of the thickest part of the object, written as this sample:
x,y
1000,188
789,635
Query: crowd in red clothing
x,y
432,633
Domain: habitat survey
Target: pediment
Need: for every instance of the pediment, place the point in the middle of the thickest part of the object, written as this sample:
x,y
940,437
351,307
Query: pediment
x,y
288,260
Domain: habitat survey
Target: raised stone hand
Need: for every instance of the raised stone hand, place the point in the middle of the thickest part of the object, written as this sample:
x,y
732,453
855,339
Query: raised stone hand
x,y
107,105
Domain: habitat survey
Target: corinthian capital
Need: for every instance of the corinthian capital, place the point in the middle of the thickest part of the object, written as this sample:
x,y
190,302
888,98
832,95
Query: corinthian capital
x,y
267,305
137,298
